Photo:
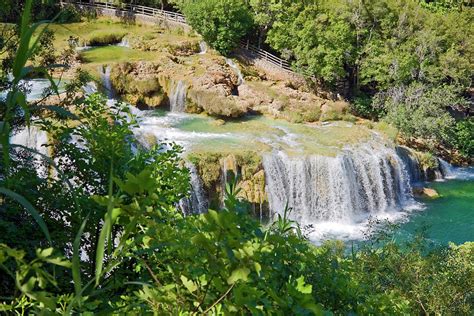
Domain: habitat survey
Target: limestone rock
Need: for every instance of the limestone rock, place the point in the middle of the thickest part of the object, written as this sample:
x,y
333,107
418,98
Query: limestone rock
x,y
426,192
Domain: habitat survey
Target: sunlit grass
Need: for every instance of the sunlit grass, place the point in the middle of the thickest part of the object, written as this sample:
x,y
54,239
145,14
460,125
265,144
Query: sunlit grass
x,y
107,54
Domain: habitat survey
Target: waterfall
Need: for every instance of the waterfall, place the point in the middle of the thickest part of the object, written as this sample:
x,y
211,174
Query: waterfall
x,y
35,139
105,77
178,97
412,164
196,202
202,48
34,88
124,43
366,180
446,169
89,88
236,69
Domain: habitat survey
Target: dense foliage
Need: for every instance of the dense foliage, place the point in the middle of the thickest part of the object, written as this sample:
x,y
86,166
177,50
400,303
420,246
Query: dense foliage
x,y
220,22
97,230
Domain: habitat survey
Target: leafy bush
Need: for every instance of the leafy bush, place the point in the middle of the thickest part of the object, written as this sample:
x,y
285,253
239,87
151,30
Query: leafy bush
x,y
220,22
463,137
363,107
69,14
420,111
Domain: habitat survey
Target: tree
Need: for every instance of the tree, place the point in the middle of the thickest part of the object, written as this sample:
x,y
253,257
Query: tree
x,y
222,23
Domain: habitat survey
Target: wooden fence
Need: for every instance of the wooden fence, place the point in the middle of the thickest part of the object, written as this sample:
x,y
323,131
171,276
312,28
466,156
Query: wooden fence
x,y
256,52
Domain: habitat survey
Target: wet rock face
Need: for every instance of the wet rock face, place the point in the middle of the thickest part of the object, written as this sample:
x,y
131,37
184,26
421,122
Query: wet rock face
x,y
216,170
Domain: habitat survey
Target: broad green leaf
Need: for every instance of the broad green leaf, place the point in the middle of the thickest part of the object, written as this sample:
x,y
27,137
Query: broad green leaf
x,y
300,286
189,284
238,274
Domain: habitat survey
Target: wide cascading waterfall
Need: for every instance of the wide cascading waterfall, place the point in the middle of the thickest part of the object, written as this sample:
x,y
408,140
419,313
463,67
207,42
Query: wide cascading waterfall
x,y
178,97
196,202
365,180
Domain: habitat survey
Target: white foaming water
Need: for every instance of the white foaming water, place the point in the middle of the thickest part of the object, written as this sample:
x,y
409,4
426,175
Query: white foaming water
x,y
124,43
202,48
35,139
90,88
237,71
197,201
34,88
338,194
178,97
447,170
162,129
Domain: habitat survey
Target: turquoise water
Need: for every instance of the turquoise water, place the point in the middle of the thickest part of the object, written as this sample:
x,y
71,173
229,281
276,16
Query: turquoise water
x,y
450,218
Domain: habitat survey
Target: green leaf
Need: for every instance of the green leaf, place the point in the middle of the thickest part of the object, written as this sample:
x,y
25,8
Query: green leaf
x,y
33,212
238,274
76,261
189,284
300,286
258,268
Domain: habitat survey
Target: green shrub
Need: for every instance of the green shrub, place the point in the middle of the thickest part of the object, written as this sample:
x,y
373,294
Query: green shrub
x,y
69,14
312,114
220,22
363,106
463,137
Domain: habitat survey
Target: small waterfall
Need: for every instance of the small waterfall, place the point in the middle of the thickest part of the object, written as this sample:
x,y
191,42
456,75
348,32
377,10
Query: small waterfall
x,y
105,77
197,202
237,71
229,170
35,139
124,43
178,97
446,169
202,48
90,88
366,180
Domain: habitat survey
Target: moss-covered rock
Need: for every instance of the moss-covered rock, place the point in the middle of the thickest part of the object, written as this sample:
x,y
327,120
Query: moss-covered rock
x,y
215,104
215,168
137,90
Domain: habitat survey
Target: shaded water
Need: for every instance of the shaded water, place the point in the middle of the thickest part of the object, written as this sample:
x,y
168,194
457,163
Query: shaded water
x,y
450,218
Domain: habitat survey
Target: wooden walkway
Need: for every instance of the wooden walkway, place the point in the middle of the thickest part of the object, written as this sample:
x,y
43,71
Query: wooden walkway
x,y
163,15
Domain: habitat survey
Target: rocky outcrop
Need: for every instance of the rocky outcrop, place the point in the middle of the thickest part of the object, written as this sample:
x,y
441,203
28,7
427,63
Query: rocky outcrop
x,y
214,87
425,192
217,169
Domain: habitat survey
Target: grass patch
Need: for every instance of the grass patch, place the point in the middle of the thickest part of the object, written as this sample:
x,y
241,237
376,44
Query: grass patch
x,y
114,54
103,38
